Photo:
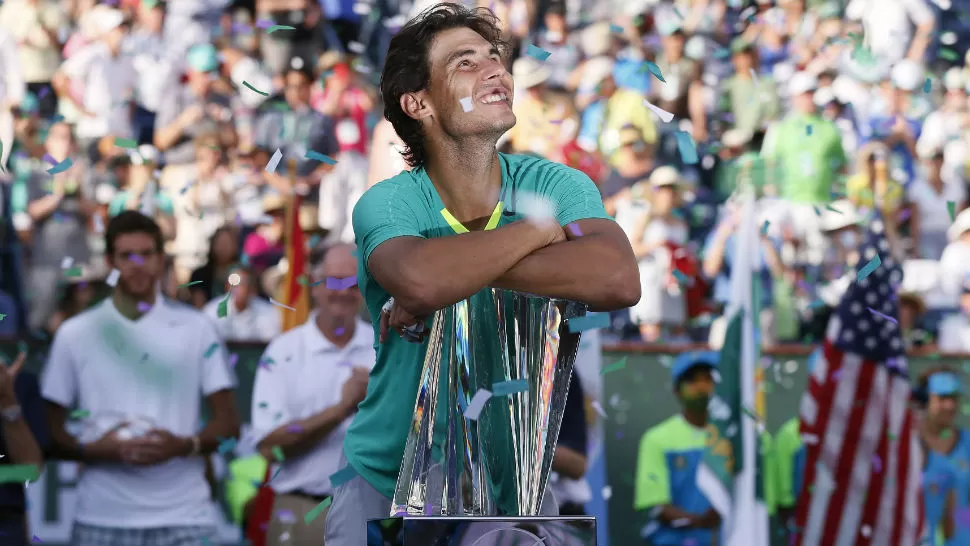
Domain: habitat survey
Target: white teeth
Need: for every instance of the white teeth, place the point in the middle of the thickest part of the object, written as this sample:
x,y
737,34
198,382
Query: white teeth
x,y
494,98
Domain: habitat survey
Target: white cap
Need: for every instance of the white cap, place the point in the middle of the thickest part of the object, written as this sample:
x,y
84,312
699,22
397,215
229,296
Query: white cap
x,y
960,225
664,176
954,79
824,96
802,82
840,214
106,20
595,71
528,72
907,75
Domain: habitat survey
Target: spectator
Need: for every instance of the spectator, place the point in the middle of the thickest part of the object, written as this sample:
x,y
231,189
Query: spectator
x,y
872,186
681,94
99,80
342,95
896,117
545,118
144,475
955,329
24,440
222,259
139,191
12,88
948,121
895,21
77,295
59,207
569,460
263,248
790,459
932,197
752,100
153,65
955,261
248,316
634,162
658,236
911,314
562,45
321,368
38,26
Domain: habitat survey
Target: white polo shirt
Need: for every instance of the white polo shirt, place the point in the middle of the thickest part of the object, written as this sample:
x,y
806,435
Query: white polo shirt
x,y
260,321
108,83
155,369
302,373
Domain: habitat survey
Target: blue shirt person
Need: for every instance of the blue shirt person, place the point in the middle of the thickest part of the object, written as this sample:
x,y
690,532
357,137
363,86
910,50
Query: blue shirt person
x,y
669,457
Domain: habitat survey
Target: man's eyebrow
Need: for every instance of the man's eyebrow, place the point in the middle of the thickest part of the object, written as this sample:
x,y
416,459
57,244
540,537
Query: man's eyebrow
x,y
466,52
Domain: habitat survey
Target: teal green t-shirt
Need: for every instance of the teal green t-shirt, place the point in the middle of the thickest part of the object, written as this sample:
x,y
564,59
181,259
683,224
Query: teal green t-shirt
x,y
162,201
407,205
805,156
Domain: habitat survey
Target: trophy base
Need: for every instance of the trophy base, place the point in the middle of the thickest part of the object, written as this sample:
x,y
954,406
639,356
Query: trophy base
x,y
482,531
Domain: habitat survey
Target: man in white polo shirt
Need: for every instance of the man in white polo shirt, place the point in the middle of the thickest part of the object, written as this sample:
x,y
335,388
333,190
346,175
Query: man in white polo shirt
x,y
307,388
136,368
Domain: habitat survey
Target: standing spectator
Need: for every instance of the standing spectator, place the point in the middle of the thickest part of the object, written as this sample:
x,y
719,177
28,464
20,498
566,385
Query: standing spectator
x,y
659,234
931,197
342,95
955,329
100,81
752,100
248,316
670,455
889,27
634,162
188,111
59,207
211,278
12,88
77,294
873,186
306,392
896,116
153,66
955,261
277,49
948,121
563,46
680,94
144,474
139,191
23,440
39,28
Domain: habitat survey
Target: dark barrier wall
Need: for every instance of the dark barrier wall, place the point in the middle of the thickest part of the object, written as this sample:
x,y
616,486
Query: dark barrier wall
x,y
636,397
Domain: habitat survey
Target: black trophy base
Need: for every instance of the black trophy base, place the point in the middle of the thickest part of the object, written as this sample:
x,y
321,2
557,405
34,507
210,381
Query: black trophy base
x,y
482,531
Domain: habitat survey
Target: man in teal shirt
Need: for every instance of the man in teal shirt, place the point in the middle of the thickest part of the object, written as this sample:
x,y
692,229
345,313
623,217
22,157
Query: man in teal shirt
x,y
462,220
669,458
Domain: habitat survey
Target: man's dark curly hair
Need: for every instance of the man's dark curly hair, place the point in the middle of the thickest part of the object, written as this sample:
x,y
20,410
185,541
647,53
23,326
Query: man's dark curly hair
x,y
407,68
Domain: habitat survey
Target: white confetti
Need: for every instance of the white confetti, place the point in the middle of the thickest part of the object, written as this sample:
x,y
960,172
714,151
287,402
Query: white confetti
x,y
809,439
535,207
607,492
234,279
112,279
466,104
274,161
866,531
599,409
278,304
681,522
356,47
477,404
67,262
664,115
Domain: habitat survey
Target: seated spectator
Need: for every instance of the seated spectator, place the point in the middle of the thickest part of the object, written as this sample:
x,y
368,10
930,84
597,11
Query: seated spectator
x,y
211,277
635,161
135,192
955,261
545,118
911,310
248,317
872,184
955,329
931,197
77,295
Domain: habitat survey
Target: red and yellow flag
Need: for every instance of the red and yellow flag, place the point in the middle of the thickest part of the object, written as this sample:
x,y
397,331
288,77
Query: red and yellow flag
x,y
294,293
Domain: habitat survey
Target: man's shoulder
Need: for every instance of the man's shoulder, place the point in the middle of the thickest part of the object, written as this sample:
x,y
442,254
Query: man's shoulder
x,y
402,186
177,313
529,168
660,434
78,327
287,341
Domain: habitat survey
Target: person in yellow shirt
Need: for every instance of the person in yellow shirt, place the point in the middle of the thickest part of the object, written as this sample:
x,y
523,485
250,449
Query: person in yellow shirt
x,y
545,120
872,182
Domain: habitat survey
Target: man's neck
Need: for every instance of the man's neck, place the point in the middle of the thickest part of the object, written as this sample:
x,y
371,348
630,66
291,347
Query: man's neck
x,y
127,305
241,304
468,177
329,327
698,418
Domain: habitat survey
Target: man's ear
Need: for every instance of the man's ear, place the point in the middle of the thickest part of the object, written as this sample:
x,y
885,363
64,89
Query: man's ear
x,y
416,105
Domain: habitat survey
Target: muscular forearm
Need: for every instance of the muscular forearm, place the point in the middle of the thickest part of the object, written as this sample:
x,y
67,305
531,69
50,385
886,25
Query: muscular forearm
x,y
588,269
300,436
22,447
569,463
43,207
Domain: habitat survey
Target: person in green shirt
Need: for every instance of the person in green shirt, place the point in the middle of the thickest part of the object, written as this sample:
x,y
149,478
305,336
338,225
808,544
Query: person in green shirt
x,y
464,219
752,100
789,458
669,458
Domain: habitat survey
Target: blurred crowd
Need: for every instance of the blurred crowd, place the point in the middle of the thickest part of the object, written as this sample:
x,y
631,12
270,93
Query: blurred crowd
x,y
208,115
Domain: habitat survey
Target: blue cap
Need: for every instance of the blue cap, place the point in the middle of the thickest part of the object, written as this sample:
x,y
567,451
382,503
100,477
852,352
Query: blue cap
x,y
693,359
203,58
943,384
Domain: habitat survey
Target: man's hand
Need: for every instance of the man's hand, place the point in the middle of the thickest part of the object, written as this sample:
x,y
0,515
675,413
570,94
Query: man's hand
x,y
398,319
156,447
8,377
708,520
108,447
354,389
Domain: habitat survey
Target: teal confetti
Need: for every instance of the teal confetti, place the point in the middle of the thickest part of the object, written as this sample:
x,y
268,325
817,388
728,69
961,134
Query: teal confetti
x,y
61,167
808,129
18,473
764,227
616,29
654,69
254,90
951,208
688,150
869,267
75,271
188,284
2,316
537,52
128,143
927,85
591,321
618,365
342,476
226,446
278,454
817,212
829,207
211,350
317,156
681,278
317,510
505,388
223,309
80,414
275,28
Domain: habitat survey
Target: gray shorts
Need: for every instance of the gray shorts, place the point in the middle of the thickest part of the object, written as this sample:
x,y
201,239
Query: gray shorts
x,y
356,502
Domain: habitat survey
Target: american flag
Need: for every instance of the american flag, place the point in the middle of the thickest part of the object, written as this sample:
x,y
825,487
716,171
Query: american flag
x,y
864,459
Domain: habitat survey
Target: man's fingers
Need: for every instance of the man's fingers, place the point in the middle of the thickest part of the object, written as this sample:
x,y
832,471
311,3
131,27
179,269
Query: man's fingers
x,y
384,320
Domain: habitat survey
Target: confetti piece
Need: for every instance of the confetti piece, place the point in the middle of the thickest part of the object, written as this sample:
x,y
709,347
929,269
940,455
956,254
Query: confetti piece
x,y
126,143
867,270
275,28
211,350
188,284
808,129
618,365
317,510
113,277
688,150
278,304
591,321
294,428
2,316
574,229
317,156
884,317
466,104
654,69
226,446
50,159
537,52
927,85
233,359
335,283
254,90
764,227
948,54
278,454
342,476
951,208
80,414
505,388
664,115
682,279
274,161
477,404
67,262
876,463
61,167
223,308
17,473
817,211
